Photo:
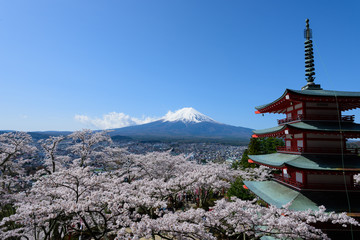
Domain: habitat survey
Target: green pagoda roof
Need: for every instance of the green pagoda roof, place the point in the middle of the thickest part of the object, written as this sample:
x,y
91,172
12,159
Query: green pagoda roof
x,y
270,130
314,126
314,93
277,194
309,161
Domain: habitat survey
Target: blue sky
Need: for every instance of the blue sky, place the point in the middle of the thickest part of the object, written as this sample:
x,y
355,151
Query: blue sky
x,y
135,59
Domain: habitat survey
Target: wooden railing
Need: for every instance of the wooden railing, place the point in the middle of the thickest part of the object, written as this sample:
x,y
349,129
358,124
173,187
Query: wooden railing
x,y
333,186
286,120
281,178
299,150
344,118
290,149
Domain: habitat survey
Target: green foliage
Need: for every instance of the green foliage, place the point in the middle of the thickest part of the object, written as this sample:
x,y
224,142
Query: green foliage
x,y
243,163
6,211
257,146
210,203
268,145
244,160
237,190
264,145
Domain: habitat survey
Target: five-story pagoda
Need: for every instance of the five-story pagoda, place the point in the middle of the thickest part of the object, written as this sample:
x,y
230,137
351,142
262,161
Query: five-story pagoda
x,y
316,167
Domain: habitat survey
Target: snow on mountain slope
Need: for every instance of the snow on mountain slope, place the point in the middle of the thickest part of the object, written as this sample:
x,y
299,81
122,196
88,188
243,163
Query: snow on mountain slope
x,y
186,115
184,125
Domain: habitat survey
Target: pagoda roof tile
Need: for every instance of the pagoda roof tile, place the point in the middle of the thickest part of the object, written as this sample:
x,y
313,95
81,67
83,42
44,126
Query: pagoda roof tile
x,y
326,93
314,126
310,161
269,130
279,195
314,93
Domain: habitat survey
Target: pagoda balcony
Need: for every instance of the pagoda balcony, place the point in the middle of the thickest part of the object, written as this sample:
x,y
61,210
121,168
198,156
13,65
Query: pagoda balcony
x,y
288,181
314,186
344,118
317,150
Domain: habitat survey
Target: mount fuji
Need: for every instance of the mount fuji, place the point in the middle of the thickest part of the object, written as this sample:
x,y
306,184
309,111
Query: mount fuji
x,y
186,115
186,124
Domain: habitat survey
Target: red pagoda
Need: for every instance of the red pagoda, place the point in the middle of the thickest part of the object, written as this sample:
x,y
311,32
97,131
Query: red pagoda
x,y
316,167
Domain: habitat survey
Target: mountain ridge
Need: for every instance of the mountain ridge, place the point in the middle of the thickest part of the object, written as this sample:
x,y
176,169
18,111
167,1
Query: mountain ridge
x,y
185,123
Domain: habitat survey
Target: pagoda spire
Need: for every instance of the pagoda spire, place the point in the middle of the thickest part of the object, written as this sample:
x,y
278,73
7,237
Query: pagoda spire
x,y
309,60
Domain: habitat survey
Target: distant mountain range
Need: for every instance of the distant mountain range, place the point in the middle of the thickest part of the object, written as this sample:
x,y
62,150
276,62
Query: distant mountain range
x,y
187,125
42,134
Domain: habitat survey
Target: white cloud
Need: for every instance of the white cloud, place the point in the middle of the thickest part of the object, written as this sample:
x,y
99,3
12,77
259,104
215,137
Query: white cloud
x,y
113,120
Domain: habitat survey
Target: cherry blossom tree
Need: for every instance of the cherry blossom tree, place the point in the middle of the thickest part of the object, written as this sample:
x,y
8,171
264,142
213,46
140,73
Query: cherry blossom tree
x,y
235,219
108,202
261,173
87,146
175,176
15,151
53,160
78,201
144,196
14,148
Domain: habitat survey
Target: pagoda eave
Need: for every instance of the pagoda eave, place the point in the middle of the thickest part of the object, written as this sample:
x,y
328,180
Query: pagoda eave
x,y
264,164
309,162
347,130
283,133
277,106
278,194
346,101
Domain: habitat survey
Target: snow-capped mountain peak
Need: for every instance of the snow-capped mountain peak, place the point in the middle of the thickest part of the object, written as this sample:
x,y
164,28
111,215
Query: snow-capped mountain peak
x,y
186,115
